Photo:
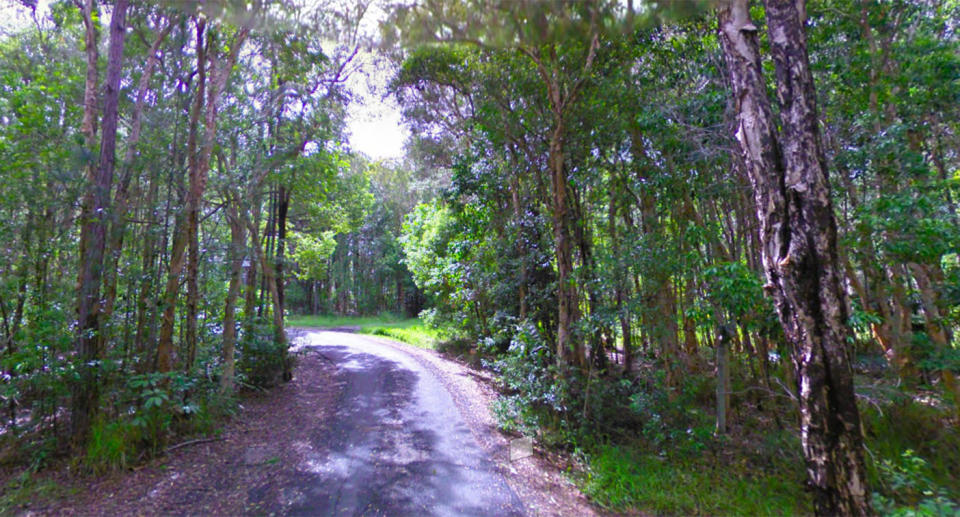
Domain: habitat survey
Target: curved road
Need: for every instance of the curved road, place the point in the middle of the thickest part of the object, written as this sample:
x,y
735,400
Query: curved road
x,y
397,443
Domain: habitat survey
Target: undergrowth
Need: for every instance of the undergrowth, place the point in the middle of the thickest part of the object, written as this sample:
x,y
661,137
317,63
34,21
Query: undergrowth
x,y
25,489
624,478
648,445
913,458
150,412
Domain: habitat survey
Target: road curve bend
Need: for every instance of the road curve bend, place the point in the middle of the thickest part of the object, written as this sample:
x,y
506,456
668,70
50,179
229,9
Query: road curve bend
x,y
396,444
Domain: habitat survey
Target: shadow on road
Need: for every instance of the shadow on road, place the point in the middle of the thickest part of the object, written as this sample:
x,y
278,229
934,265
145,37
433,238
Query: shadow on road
x,y
396,445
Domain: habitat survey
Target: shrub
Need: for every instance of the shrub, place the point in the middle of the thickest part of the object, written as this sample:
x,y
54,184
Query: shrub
x,y
112,445
261,359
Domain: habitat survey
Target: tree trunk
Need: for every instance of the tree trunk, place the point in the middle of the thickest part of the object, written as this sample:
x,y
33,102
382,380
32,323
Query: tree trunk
x,y
560,99
121,199
182,234
250,282
199,160
566,290
146,311
620,282
193,289
798,236
94,219
237,255
926,277
656,293
280,336
269,274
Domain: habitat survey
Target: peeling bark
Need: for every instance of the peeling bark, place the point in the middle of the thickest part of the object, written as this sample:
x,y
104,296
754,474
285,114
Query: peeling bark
x,y
798,236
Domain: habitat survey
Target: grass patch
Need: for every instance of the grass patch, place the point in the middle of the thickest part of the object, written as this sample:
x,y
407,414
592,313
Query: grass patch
x,y
410,330
112,445
415,334
330,321
25,491
913,458
628,480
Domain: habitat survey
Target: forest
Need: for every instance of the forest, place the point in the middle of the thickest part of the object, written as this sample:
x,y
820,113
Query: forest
x,y
709,250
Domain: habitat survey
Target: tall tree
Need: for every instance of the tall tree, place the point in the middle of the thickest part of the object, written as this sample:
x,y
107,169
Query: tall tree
x,y
798,235
207,100
95,219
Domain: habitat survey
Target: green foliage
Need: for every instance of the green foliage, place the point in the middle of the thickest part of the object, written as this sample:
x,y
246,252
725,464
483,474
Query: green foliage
x,y
662,227
311,254
114,445
532,401
915,224
626,479
913,457
366,216
426,234
907,479
735,294
156,407
260,362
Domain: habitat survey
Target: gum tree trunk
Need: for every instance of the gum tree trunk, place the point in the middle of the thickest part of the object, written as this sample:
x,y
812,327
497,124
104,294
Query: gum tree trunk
x,y
94,219
798,238
187,231
237,255
164,358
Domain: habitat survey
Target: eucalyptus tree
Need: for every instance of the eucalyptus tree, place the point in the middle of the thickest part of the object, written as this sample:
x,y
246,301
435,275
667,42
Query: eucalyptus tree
x,y
94,213
220,57
786,163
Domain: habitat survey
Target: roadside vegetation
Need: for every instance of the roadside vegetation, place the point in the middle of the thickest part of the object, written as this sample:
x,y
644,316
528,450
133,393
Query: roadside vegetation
x,y
654,226
613,243
407,330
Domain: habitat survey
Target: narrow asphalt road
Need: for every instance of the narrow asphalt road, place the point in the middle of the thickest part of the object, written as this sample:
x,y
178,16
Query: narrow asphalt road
x,y
397,443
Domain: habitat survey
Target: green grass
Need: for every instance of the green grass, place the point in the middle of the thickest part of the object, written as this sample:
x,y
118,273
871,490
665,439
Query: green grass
x,y
25,491
627,480
912,457
408,330
415,334
112,445
328,321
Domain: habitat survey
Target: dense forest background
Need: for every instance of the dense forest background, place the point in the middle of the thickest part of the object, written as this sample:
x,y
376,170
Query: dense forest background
x,y
577,210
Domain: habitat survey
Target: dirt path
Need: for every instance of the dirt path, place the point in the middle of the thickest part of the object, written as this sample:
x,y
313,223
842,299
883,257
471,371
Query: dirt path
x,y
367,427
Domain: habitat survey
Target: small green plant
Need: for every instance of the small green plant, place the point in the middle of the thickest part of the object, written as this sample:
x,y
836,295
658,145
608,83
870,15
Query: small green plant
x,y
113,445
159,405
912,491
24,490
625,479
